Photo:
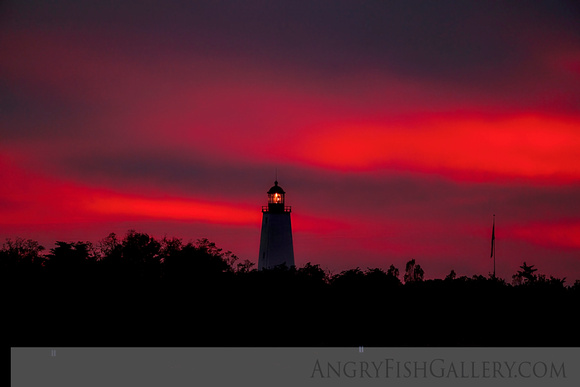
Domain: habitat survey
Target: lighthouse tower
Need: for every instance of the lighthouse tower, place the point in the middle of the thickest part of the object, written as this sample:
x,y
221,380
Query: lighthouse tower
x,y
276,240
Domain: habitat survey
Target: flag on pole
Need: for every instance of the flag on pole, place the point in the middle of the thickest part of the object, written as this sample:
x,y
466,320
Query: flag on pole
x,y
492,237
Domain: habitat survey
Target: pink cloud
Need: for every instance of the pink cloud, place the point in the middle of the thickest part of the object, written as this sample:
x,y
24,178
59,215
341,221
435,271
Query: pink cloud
x,y
531,146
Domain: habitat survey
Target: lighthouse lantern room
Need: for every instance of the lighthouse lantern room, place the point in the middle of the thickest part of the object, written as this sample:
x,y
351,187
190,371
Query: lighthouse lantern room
x,y
276,246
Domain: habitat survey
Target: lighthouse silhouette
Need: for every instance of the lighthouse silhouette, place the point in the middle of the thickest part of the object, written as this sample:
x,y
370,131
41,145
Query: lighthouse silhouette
x,y
276,239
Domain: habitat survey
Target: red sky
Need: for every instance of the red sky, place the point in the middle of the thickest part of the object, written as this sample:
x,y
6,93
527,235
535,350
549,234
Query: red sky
x,y
397,129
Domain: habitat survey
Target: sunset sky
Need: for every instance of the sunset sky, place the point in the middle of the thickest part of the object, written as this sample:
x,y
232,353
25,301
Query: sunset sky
x,y
397,128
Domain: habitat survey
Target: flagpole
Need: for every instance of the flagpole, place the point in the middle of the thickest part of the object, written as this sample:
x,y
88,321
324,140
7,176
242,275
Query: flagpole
x,y
493,241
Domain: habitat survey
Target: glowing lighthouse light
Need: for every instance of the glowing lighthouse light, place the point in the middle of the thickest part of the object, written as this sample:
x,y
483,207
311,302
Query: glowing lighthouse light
x,y
276,238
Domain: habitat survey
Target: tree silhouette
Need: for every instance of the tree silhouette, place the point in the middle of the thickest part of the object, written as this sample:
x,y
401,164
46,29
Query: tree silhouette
x,y
170,291
195,264
210,258
312,274
413,272
393,272
451,276
169,247
376,280
69,258
22,253
109,248
525,276
245,266
348,278
141,256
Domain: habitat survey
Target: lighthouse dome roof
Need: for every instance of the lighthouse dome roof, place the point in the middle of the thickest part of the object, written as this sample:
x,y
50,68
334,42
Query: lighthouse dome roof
x,y
276,189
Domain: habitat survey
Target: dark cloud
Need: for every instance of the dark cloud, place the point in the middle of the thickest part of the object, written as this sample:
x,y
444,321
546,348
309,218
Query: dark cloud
x,y
184,174
449,40
407,197
39,112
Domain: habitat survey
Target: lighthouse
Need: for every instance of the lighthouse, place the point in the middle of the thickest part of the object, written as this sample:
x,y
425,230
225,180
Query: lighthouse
x,y
276,238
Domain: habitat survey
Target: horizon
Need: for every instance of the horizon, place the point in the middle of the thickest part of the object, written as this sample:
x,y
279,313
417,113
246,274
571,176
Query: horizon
x,y
46,251
397,130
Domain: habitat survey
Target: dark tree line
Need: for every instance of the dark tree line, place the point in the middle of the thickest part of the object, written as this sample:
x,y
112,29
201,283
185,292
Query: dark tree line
x,y
142,291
